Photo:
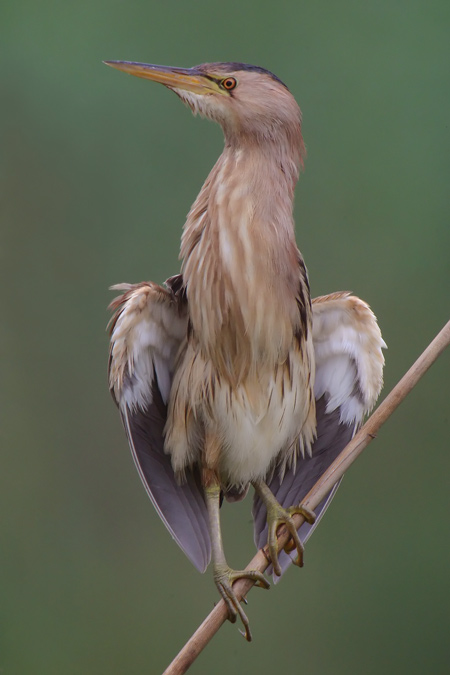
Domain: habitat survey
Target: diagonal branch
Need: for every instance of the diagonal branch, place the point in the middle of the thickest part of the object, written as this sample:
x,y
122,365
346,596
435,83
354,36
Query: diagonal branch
x,y
367,433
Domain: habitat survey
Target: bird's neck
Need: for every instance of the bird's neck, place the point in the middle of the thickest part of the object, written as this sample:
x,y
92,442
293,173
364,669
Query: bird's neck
x,y
240,259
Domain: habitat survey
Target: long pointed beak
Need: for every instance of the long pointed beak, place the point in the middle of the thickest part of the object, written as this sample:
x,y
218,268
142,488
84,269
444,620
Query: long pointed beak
x,y
188,79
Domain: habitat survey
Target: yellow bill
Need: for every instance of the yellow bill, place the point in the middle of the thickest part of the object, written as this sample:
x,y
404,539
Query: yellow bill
x,y
188,79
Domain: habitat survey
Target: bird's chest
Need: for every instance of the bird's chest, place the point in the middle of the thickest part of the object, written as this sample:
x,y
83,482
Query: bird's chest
x,y
240,266
242,301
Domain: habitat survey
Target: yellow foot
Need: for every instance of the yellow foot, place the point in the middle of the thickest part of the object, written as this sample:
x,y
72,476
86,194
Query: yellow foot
x,y
224,577
278,516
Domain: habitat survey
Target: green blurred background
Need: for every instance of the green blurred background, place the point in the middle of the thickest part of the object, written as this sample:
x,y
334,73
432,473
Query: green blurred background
x,y
97,173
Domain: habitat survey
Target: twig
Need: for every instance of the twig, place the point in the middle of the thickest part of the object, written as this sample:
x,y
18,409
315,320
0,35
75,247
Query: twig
x,y
367,433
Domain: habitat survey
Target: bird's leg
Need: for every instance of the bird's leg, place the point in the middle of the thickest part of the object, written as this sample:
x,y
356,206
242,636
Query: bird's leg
x,y
224,576
277,515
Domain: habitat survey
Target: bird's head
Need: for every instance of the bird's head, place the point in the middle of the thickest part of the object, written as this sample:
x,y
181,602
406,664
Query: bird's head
x,y
247,101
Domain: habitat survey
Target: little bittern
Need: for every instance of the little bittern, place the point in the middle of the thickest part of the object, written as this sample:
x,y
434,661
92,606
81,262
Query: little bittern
x,y
228,375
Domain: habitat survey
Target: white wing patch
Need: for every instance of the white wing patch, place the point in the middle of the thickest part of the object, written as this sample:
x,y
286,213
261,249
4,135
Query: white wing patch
x,y
349,358
147,329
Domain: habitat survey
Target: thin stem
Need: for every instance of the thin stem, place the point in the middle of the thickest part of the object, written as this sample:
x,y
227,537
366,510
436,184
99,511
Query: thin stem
x,y
366,434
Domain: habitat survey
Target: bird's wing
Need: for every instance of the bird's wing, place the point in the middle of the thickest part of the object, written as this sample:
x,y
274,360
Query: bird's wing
x,y
349,376
148,326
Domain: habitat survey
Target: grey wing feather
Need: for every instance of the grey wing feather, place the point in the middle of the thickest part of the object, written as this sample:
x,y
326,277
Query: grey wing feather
x,y
349,373
180,507
147,329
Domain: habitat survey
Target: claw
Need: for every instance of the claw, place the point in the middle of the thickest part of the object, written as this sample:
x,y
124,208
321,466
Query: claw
x,y
224,577
278,516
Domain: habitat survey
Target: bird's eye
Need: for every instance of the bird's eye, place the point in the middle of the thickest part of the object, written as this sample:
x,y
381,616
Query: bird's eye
x,y
229,83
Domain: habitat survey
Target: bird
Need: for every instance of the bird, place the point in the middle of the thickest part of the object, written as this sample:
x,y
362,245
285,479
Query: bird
x,y
228,375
